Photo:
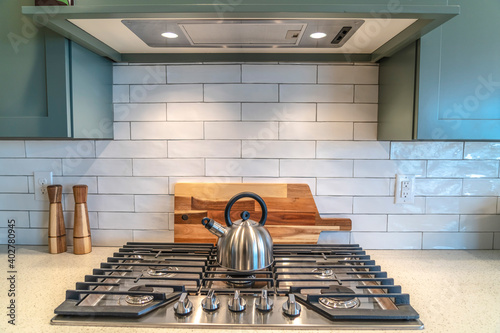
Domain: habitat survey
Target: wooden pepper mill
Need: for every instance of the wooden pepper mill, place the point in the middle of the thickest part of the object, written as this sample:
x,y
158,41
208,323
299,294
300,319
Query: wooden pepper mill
x,y
81,230
57,230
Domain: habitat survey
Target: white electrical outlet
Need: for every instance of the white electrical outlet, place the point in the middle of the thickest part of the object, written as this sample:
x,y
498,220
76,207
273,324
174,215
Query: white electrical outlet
x,y
41,180
404,192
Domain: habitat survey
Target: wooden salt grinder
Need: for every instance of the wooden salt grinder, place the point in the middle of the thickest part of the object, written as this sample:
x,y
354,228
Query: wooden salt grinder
x,y
81,233
57,230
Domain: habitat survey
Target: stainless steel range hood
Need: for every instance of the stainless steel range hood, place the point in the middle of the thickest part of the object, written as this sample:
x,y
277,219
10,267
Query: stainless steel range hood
x,y
245,30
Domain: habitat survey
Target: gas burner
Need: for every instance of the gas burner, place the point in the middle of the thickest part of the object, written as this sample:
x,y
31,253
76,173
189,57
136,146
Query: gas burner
x,y
240,281
138,254
162,271
339,302
323,273
139,299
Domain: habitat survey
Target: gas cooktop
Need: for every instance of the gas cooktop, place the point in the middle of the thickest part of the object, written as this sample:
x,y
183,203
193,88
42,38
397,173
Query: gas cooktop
x,y
181,285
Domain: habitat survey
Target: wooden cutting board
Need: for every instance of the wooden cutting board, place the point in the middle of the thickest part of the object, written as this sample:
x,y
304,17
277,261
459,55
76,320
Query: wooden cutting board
x,y
292,213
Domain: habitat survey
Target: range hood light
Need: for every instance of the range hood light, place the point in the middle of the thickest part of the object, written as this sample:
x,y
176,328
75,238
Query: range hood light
x,y
318,35
169,35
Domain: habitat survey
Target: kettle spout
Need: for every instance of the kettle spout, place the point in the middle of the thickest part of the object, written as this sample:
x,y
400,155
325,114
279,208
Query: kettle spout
x,y
214,227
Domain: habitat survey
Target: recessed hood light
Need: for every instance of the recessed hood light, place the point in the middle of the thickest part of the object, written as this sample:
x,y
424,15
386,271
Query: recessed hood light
x,y
169,35
318,35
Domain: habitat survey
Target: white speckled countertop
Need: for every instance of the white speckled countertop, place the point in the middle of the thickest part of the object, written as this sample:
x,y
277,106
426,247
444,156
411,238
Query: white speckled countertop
x,y
454,291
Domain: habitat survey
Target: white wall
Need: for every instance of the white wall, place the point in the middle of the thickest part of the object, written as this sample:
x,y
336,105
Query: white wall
x,y
307,123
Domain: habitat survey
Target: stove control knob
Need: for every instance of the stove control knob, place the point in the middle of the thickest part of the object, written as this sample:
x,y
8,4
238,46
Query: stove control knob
x,y
264,303
211,302
237,304
183,306
291,308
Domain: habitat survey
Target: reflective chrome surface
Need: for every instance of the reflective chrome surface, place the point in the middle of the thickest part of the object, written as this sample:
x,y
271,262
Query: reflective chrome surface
x,y
236,303
263,302
224,319
183,306
211,302
246,247
291,308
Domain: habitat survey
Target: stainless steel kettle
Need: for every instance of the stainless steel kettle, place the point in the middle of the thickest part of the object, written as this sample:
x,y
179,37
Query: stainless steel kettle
x,y
245,245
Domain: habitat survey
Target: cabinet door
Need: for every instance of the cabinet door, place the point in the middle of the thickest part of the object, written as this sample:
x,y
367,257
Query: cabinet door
x,y
459,76
27,107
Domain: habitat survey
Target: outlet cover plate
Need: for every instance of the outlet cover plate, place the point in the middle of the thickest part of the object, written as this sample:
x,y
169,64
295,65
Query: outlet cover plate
x,y
405,189
41,180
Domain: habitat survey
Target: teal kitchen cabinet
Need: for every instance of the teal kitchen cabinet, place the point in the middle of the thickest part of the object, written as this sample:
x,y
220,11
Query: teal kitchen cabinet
x,y
447,86
50,87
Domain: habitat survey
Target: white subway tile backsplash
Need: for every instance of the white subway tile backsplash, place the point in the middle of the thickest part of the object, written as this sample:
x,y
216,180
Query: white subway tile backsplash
x,y
481,223
97,167
365,131
333,205
26,167
278,149
166,93
153,236
154,203
278,74
133,185
316,131
312,124
353,149
121,93
365,222
241,93
432,187
461,205
63,149
166,130
22,201
387,240
482,150
241,130
121,131
333,237
130,149
278,111
282,180
320,93
388,168
203,74
103,203
348,74
13,184
353,186
386,205
462,240
21,218
203,111
102,237
462,169
140,112
27,236
482,187
204,148
242,167
347,112
426,150
169,167
139,74
366,93
315,168
423,223
221,179
12,149
153,221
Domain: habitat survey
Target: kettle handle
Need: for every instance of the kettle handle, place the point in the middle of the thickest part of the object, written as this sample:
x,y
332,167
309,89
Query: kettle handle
x,y
237,197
